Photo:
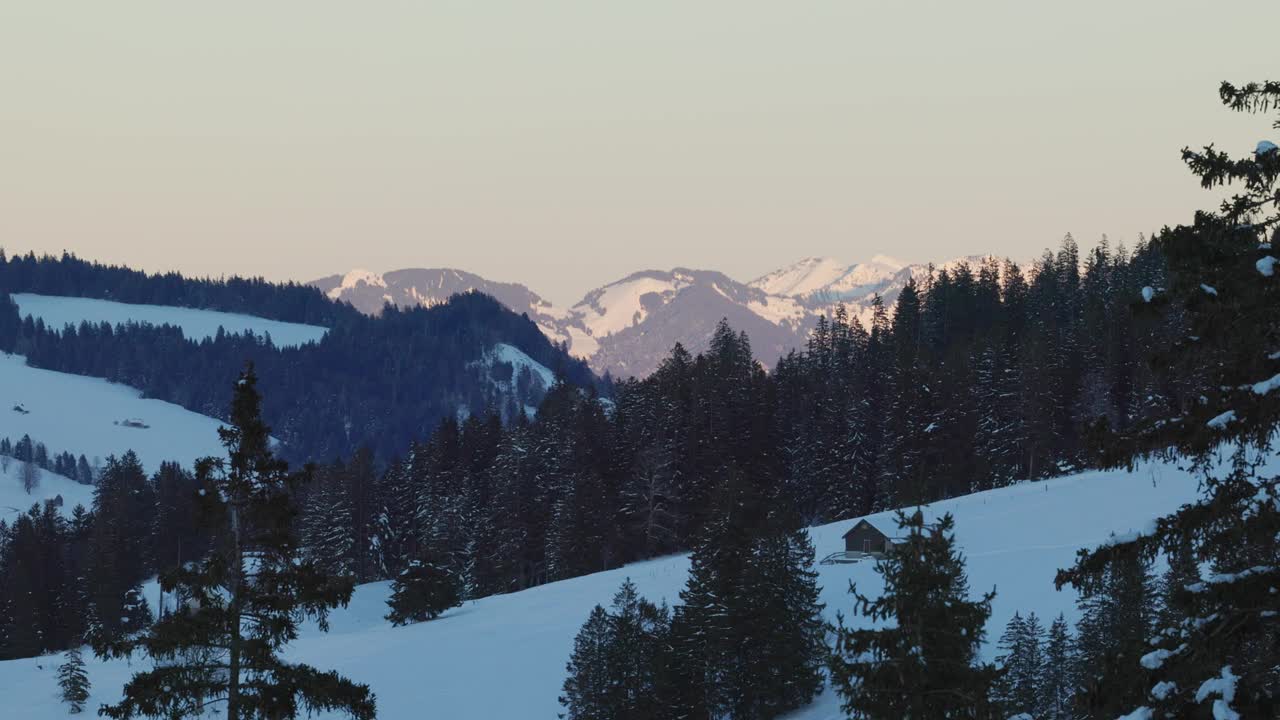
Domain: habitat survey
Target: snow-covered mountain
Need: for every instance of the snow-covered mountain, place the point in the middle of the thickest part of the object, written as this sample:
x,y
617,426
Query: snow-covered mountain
x,y
826,275
369,291
628,326
465,664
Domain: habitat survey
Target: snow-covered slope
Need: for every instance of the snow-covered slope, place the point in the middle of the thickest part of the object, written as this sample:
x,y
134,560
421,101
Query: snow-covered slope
x,y
627,327
504,657
83,415
369,291
58,312
528,394
813,275
14,499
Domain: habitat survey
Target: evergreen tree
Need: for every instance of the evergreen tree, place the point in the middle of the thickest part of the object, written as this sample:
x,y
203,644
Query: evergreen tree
x,y
588,689
925,664
1019,689
119,551
423,591
618,665
1056,676
1116,622
243,601
755,640
74,681
1214,652
29,474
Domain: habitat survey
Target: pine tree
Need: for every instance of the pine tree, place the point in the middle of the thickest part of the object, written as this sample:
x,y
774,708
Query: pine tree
x,y
242,602
754,635
1056,676
618,665
1018,690
119,550
925,665
588,689
1116,622
422,591
1215,648
29,476
73,680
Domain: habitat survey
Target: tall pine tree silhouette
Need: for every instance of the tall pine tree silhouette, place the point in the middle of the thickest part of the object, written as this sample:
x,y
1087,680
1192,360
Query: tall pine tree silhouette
x,y
924,665
1215,646
241,603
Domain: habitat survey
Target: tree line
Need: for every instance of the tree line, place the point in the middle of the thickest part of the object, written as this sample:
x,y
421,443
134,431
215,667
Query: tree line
x,y
379,382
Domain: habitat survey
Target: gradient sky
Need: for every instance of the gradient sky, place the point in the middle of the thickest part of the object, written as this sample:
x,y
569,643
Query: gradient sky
x,y
565,144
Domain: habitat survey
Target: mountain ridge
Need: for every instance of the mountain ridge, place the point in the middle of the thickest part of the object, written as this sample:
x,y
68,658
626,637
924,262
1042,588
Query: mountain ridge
x,y
627,326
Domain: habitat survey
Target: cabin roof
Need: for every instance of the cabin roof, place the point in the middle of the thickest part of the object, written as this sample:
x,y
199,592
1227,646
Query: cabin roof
x,y
886,527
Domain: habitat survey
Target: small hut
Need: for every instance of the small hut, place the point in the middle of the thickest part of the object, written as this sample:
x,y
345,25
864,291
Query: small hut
x,y
868,539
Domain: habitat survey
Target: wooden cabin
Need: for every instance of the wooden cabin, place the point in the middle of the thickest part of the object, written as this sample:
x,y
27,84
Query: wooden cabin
x,y
867,539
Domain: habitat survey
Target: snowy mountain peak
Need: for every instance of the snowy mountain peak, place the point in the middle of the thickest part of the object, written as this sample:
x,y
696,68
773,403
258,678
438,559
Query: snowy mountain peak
x,y
355,279
886,261
801,278
627,327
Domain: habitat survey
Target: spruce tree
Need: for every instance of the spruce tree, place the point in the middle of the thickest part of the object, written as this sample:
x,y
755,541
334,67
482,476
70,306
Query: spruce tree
x,y
1056,675
925,663
1018,690
73,680
618,667
588,688
1117,617
1214,651
242,602
119,548
422,591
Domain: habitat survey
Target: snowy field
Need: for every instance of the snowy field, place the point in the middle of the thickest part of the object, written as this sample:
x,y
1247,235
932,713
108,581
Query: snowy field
x,y
58,312
14,500
83,415
504,657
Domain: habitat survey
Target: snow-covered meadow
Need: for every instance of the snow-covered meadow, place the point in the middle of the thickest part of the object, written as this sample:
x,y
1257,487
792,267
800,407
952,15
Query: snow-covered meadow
x,y
504,656
15,500
59,311
97,418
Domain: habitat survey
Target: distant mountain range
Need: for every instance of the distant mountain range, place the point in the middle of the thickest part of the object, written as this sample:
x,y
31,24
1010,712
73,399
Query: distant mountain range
x,y
628,326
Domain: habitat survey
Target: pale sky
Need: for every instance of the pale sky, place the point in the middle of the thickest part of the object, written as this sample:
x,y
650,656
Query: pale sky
x,y
565,144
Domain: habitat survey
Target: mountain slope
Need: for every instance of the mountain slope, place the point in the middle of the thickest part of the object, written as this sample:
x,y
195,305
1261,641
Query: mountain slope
x,y
504,656
427,287
96,418
627,327
337,379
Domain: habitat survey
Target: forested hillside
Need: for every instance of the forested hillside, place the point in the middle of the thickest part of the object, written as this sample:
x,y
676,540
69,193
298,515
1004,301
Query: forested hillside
x,y
377,382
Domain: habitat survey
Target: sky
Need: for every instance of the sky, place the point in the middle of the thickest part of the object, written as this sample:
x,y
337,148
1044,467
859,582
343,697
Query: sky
x,y
566,144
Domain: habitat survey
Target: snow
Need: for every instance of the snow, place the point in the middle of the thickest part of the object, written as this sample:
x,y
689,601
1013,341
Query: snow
x,y
504,656
1224,686
1155,659
1163,689
1142,713
353,279
1264,147
14,500
1148,293
518,360
503,352
1219,422
1209,289
59,311
1266,386
778,310
813,275
802,278
1266,266
84,415
619,306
